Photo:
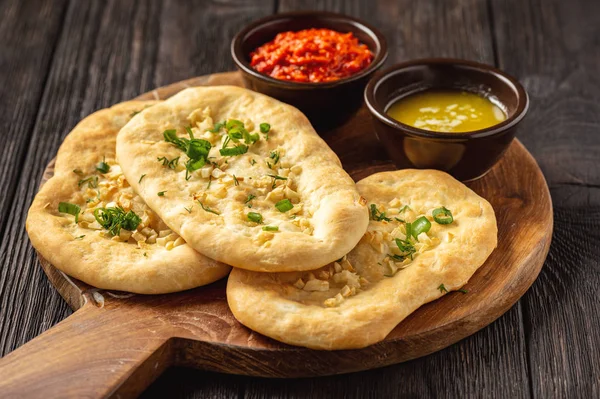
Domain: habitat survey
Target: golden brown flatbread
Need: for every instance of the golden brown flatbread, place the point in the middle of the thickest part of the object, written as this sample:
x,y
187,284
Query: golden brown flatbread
x,y
147,259
262,198
358,300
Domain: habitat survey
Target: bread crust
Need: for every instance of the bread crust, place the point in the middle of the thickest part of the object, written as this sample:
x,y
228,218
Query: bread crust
x,y
89,254
272,305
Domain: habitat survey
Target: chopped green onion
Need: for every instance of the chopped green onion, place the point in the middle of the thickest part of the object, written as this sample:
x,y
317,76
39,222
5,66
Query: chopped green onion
x,y
235,181
231,123
377,215
233,151
161,193
92,182
71,209
189,210
462,290
209,182
252,162
207,209
80,237
421,225
270,228
255,217
264,127
400,220
442,288
115,219
284,205
141,177
77,171
405,207
103,167
198,149
442,215
406,248
217,127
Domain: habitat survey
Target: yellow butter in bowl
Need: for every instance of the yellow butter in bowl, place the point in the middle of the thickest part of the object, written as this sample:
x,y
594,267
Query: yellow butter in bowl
x,y
450,111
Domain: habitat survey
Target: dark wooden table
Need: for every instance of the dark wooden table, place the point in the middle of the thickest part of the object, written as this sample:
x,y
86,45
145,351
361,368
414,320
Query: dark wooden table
x,y
60,60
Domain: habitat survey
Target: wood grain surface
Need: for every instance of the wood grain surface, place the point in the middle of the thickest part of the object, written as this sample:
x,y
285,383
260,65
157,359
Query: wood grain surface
x,y
56,66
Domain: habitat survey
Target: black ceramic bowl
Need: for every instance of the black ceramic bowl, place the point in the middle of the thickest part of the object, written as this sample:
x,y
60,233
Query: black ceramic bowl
x,y
466,156
325,104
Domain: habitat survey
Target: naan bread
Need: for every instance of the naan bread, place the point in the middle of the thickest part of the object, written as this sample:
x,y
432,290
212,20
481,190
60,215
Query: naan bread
x,y
212,210
358,301
150,260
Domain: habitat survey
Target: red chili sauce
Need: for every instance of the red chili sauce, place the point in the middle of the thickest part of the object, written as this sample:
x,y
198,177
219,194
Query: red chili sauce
x,y
312,55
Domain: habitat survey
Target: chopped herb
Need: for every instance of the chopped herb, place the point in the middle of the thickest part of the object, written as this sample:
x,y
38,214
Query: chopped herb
x,y
269,165
161,193
231,123
250,198
421,225
103,167
408,228
218,126
196,149
274,156
77,171
400,220
207,209
233,151
252,162
141,177
115,219
226,141
209,181
405,207
442,288
264,127
255,217
80,237
442,215
284,205
92,182
378,215
235,181
270,228
275,178
189,210
406,248
145,254
71,209
462,290
172,164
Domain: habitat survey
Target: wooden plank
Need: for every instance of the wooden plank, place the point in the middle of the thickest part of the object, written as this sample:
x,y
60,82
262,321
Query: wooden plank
x,y
553,47
87,72
28,34
195,36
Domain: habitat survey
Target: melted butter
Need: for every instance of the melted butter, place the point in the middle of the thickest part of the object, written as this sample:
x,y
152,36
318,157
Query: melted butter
x,y
446,111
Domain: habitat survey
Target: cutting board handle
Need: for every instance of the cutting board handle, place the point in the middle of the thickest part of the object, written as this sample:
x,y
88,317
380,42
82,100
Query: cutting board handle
x,y
89,354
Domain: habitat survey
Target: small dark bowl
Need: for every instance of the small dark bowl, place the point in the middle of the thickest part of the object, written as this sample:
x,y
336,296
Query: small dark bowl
x,y
466,156
325,104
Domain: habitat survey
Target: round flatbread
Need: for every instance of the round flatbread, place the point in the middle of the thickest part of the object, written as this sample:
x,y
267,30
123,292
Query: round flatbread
x,y
246,179
357,301
147,259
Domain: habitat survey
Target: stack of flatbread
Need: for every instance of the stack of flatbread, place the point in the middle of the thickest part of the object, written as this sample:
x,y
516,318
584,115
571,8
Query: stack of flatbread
x,y
158,197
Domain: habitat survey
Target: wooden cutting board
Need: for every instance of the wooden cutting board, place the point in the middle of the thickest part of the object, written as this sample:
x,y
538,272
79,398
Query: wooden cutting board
x,y
116,344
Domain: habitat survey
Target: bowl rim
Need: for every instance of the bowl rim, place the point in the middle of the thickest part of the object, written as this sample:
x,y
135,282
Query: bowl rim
x,y
378,111
239,57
